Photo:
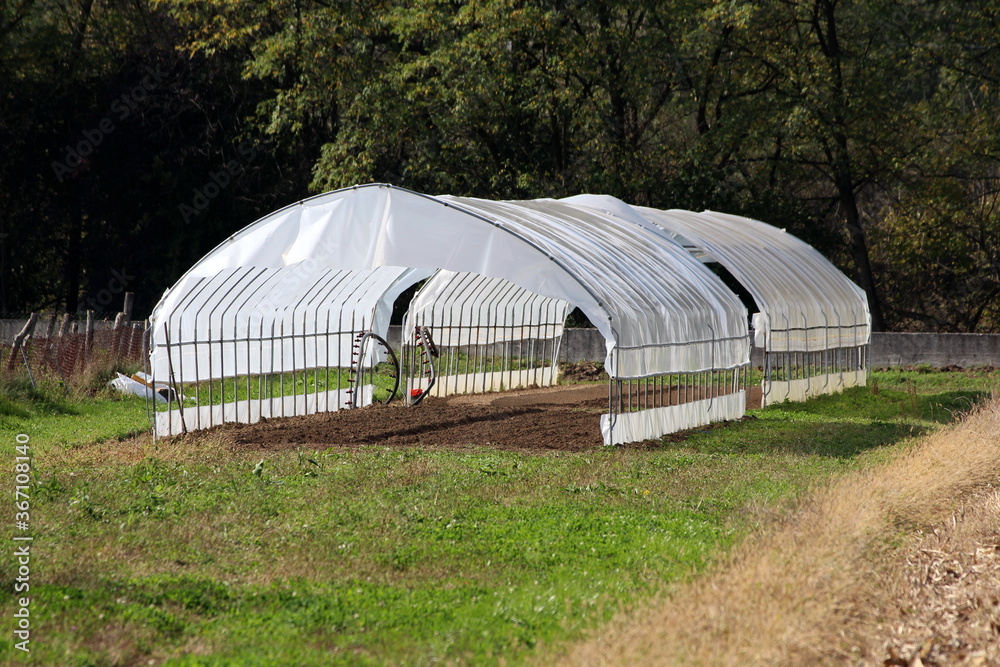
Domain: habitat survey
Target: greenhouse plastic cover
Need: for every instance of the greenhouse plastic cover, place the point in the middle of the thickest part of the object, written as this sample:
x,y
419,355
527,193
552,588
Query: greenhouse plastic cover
x,y
658,307
263,320
806,303
469,309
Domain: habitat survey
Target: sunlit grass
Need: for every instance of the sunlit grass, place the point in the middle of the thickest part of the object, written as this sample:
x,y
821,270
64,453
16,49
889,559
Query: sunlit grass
x,y
183,551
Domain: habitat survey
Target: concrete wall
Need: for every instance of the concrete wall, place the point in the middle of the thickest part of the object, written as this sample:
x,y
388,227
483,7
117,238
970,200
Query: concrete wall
x,y
888,349
935,350
583,345
577,344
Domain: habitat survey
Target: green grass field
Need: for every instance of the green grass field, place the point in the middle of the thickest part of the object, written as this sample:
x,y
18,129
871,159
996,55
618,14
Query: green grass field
x,y
181,553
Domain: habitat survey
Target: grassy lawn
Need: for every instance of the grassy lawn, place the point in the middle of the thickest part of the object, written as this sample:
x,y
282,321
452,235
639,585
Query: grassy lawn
x,y
186,554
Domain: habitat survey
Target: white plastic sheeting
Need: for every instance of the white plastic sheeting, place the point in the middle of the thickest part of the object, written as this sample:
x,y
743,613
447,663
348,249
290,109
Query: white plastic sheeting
x,y
619,209
180,420
265,319
806,303
659,309
469,309
779,391
654,422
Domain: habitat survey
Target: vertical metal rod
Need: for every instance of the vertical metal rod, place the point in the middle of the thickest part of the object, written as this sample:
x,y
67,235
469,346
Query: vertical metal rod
x,y
808,369
854,321
270,376
281,365
236,379
471,309
326,365
464,367
840,349
260,365
483,365
315,361
243,284
525,338
295,366
172,391
455,331
190,299
506,350
788,358
340,358
148,370
537,328
334,297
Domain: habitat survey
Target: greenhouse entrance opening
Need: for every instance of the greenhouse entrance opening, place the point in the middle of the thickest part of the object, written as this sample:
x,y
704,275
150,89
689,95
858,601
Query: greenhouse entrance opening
x,y
466,333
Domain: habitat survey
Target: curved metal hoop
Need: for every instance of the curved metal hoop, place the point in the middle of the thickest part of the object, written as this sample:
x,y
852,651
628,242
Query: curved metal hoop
x,y
362,353
428,352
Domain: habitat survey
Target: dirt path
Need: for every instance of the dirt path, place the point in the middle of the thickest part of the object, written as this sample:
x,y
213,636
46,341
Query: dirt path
x,y
897,565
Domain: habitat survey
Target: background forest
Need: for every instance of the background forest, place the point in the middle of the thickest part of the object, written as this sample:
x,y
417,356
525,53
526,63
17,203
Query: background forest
x,y
138,134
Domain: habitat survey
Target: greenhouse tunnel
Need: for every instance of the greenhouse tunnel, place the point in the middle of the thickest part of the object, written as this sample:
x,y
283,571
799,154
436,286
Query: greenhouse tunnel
x,y
261,324
813,326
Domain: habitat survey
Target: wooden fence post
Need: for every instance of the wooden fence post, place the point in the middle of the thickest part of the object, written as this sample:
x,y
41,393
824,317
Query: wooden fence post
x,y
88,338
19,340
117,331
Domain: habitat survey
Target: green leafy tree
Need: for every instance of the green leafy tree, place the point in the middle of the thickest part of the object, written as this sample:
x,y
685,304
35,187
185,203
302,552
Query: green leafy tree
x,y
832,115
938,238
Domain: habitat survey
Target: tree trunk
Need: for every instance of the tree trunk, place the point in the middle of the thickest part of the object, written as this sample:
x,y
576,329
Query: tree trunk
x,y
825,25
859,252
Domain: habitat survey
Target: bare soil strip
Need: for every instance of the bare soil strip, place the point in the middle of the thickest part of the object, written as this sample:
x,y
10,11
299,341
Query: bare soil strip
x,y
561,418
507,422
895,565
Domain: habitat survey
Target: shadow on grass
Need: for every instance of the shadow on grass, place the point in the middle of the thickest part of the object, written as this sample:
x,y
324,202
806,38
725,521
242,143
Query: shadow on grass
x,y
840,426
839,439
888,405
18,398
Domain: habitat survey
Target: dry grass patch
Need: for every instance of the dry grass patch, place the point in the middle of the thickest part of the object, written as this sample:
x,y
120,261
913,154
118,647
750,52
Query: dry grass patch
x,y
833,583
940,604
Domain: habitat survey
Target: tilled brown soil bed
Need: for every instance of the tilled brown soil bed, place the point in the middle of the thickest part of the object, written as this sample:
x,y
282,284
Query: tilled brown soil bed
x,y
567,419
562,418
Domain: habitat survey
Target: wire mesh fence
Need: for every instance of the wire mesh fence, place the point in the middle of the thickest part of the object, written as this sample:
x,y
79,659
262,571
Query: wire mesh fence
x,y
659,391
245,381
68,353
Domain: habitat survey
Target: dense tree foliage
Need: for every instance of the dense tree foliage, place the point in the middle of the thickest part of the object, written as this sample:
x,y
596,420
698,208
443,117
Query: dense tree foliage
x,y
139,134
